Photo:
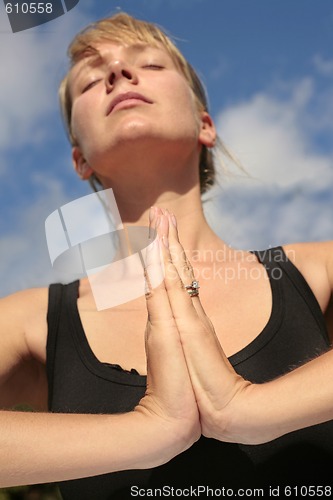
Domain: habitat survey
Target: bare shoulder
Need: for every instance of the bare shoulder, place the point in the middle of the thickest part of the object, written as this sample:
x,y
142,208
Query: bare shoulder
x,y
315,261
320,251
23,320
25,298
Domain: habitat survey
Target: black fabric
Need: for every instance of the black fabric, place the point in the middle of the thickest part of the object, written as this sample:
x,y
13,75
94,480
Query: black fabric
x,y
295,333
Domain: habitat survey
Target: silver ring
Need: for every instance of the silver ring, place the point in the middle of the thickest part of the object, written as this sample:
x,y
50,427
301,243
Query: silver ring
x,y
193,288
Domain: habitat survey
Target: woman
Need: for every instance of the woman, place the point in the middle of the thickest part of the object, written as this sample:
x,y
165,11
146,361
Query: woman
x,y
139,123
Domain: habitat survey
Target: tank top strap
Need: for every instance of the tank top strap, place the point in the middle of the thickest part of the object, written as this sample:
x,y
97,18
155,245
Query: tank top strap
x,y
54,313
271,255
279,258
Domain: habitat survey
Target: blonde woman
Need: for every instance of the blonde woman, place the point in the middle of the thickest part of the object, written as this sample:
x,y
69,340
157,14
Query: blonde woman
x,y
200,383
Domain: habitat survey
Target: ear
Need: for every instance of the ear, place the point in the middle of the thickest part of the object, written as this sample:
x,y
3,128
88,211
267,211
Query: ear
x,y
207,135
81,166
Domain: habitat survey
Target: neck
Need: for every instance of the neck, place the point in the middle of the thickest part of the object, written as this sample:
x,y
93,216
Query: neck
x,y
177,190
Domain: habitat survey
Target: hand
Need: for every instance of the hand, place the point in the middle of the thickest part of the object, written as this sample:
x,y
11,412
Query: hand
x,y
218,388
169,396
230,408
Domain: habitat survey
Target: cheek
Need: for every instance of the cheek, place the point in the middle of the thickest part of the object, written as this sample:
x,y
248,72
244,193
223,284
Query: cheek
x,y
80,121
85,111
185,107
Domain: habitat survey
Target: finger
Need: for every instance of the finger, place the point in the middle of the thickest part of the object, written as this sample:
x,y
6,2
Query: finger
x,y
183,265
167,373
157,300
162,337
181,303
159,309
187,310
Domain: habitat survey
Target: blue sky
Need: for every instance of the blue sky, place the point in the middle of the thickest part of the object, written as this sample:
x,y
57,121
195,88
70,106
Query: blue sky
x,y
268,69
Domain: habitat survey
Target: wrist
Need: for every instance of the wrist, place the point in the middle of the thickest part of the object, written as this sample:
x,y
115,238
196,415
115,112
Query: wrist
x,y
166,436
244,419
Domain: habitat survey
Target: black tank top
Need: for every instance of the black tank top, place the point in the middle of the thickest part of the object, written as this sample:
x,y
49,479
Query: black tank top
x,y
295,333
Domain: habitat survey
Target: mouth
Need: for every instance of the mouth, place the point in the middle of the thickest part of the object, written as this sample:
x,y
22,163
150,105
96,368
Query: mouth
x,y
128,98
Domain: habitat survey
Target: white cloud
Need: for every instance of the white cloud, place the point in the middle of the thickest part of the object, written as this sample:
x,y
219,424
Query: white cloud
x,y
32,64
24,258
271,137
255,216
291,196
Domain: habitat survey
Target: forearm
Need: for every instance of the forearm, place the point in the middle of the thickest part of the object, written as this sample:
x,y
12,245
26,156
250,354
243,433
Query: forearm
x,y
42,448
263,412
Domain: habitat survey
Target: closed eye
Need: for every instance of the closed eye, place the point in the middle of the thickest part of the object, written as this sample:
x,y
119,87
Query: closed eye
x,y
90,85
153,66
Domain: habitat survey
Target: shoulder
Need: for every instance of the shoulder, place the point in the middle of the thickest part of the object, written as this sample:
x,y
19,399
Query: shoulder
x,y
23,320
310,256
23,303
314,260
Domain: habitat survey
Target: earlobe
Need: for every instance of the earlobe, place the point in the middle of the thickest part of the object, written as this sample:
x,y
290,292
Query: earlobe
x,y
207,136
81,166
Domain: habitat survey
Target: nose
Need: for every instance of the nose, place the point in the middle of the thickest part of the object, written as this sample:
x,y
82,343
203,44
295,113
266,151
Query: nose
x,y
116,71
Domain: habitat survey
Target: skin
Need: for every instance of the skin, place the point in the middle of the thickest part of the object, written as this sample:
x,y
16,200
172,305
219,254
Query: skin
x,y
169,333
228,405
113,145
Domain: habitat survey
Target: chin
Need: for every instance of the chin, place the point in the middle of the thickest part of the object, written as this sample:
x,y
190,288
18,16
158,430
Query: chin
x,y
135,129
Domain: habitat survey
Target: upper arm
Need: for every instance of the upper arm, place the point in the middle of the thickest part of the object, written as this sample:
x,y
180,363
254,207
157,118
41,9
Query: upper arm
x,y
22,374
315,262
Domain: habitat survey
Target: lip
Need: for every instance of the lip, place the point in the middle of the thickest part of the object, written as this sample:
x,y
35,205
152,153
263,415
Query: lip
x,y
125,97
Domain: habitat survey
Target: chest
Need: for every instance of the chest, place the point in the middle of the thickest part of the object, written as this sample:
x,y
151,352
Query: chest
x,y
239,309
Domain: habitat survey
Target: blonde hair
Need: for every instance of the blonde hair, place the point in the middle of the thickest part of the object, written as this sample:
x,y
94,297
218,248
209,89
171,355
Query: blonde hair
x,y
123,28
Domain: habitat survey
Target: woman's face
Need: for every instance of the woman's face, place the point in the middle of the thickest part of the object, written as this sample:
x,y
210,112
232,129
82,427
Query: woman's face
x,y
129,100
